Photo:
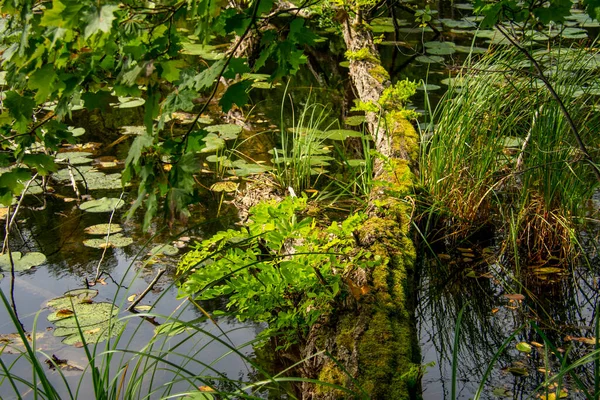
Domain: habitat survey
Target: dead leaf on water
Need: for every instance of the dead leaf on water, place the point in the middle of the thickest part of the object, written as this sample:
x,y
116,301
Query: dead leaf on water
x,y
514,296
131,298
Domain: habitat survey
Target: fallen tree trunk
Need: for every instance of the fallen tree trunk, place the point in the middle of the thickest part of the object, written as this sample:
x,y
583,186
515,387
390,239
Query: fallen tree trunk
x,y
373,342
370,341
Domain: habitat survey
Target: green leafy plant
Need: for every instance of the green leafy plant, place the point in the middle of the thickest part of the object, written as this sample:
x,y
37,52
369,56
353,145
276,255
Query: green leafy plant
x,y
280,269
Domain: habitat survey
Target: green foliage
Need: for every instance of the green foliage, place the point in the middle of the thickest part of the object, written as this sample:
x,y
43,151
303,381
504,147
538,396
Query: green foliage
x,y
68,54
363,54
280,268
496,140
396,97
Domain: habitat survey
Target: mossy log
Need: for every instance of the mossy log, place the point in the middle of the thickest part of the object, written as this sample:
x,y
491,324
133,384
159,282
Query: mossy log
x,y
372,339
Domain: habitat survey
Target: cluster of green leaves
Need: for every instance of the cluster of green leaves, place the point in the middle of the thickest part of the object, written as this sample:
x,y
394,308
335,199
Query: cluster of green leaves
x,y
64,54
280,268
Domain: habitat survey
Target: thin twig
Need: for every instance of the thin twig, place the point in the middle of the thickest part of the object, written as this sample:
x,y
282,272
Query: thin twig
x,y
148,289
107,237
10,221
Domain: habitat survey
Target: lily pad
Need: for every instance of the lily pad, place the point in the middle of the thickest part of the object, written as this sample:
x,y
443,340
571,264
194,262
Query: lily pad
x,y
105,204
75,296
74,157
129,102
225,186
76,312
103,229
133,130
441,51
101,181
76,131
22,262
225,131
221,160
116,240
248,169
458,24
355,120
213,143
341,134
470,50
63,174
164,249
429,87
429,59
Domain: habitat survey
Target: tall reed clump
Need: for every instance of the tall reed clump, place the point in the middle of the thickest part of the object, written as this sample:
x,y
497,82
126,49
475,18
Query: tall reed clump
x,y
302,154
502,146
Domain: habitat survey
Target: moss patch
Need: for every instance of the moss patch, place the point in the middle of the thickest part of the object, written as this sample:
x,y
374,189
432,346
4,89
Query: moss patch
x,y
379,73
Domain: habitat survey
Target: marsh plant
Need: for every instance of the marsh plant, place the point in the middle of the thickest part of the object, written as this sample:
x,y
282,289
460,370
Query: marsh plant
x,y
503,148
302,157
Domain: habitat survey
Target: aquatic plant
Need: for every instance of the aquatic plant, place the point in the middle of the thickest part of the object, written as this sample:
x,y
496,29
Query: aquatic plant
x,y
280,268
503,146
302,155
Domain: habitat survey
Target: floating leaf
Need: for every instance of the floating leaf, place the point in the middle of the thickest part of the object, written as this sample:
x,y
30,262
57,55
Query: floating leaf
x,y
548,270
441,51
524,347
133,130
104,204
428,87
460,24
103,229
96,321
129,102
75,296
225,186
248,169
340,134
470,50
143,308
213,143
502,392
117,240
225,131
429,59
101,181
76,132
457,81
22,262
355,120
164,249
74,157
514,296
131,298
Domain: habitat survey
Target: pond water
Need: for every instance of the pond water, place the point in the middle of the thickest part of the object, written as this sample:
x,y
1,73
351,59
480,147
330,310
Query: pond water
x,y
560,304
